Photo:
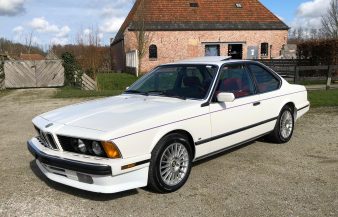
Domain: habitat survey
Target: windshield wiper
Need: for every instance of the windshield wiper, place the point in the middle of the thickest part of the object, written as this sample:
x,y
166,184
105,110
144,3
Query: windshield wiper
x,y
135,91
157,92
177,96
165,94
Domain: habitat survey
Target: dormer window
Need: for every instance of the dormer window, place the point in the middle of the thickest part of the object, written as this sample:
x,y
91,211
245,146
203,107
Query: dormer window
x,y
238,5
194,5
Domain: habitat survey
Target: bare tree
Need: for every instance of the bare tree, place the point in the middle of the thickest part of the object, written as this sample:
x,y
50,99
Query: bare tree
x,y
88,51
293,33
313,34
300,34
330,21
29,41
89,37
143,37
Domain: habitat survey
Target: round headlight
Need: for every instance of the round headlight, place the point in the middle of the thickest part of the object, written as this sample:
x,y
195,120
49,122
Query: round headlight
x,y
81,146
97,149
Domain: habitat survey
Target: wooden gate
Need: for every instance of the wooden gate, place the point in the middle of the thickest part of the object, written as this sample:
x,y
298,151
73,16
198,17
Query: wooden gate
x,y
49,73
25,74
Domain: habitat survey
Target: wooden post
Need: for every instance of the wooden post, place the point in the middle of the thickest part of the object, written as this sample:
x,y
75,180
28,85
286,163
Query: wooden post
x,y
329,77
2,73
296,77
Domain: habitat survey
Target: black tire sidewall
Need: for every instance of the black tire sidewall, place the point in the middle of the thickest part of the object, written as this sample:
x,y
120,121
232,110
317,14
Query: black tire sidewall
x,y
156,158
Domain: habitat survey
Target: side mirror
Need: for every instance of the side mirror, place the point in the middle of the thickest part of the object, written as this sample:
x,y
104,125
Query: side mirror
x,y
127,88
225,97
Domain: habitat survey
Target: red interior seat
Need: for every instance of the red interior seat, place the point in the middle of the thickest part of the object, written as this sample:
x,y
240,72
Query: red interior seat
x,y
235,86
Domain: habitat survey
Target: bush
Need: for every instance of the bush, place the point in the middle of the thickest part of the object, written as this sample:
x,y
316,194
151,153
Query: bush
x,y
73,71
319,52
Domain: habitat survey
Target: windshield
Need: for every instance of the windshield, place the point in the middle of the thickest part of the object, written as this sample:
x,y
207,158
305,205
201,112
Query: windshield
x,y
180,81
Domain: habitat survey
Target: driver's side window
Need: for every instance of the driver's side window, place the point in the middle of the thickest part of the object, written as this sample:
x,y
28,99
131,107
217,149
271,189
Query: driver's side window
x,y
164,80
235,79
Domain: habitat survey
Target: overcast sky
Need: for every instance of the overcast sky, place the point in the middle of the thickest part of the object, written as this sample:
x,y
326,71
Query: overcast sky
x,y
62,21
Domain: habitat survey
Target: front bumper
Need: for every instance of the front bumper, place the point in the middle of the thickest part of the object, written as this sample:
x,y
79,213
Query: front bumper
x,y
83,167
90,174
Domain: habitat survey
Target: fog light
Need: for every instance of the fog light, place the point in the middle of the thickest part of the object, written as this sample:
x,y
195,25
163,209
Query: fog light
x,y
96,147
81,146
84,178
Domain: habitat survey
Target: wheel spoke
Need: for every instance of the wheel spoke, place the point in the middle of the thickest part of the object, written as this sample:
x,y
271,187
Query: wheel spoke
x,y
166,176
165,171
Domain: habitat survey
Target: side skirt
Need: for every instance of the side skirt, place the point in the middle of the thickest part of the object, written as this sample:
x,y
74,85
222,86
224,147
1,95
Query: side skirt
x,y
230,147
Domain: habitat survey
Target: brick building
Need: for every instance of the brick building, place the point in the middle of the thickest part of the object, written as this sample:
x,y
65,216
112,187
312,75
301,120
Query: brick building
x,y
181,29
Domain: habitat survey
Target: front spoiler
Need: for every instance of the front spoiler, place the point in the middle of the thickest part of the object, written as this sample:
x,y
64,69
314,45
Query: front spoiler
x,y
79,166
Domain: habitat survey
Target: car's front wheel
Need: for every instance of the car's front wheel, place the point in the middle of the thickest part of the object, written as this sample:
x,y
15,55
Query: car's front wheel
x,y
170,164
284,127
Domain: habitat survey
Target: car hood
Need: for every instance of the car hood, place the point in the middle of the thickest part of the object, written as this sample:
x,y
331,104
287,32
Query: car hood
x,y
118,112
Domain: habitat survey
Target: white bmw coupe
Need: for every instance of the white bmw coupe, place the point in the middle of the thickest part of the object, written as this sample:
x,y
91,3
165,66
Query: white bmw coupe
x,y
176,114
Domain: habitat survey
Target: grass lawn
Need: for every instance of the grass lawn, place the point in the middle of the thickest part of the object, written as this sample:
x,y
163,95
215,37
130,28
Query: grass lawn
x,y
322,98
314,82
115,81
109,84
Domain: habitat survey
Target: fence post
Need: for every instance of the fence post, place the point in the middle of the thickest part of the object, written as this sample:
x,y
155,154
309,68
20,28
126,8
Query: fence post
x,y
2,73
329,77
296,78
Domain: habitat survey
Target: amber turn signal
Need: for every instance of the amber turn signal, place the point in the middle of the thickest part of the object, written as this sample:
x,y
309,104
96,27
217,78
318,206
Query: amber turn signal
x,y
111,150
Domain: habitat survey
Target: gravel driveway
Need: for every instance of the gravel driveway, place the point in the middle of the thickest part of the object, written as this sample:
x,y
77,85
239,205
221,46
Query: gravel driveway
x,y
260,179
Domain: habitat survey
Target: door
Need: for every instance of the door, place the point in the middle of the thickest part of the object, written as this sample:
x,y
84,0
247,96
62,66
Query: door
x,y
235,51
268,88
233,122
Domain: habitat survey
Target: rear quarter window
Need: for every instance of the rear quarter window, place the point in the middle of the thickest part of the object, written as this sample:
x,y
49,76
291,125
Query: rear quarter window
x,y
266,82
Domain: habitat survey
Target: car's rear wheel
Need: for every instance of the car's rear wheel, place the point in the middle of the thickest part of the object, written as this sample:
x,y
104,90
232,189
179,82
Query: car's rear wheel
x,y
170,164
284,127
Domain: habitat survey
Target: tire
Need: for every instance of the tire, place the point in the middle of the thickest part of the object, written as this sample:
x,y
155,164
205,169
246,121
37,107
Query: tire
x,y
285,125
170,164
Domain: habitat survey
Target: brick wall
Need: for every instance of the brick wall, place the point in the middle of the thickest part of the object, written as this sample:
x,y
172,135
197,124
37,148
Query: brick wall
x,y
178,45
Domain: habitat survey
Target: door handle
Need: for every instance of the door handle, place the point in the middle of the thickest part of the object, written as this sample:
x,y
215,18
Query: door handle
x,y
256,103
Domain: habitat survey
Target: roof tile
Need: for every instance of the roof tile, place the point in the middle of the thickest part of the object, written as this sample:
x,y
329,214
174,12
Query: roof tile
x,y
221,14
